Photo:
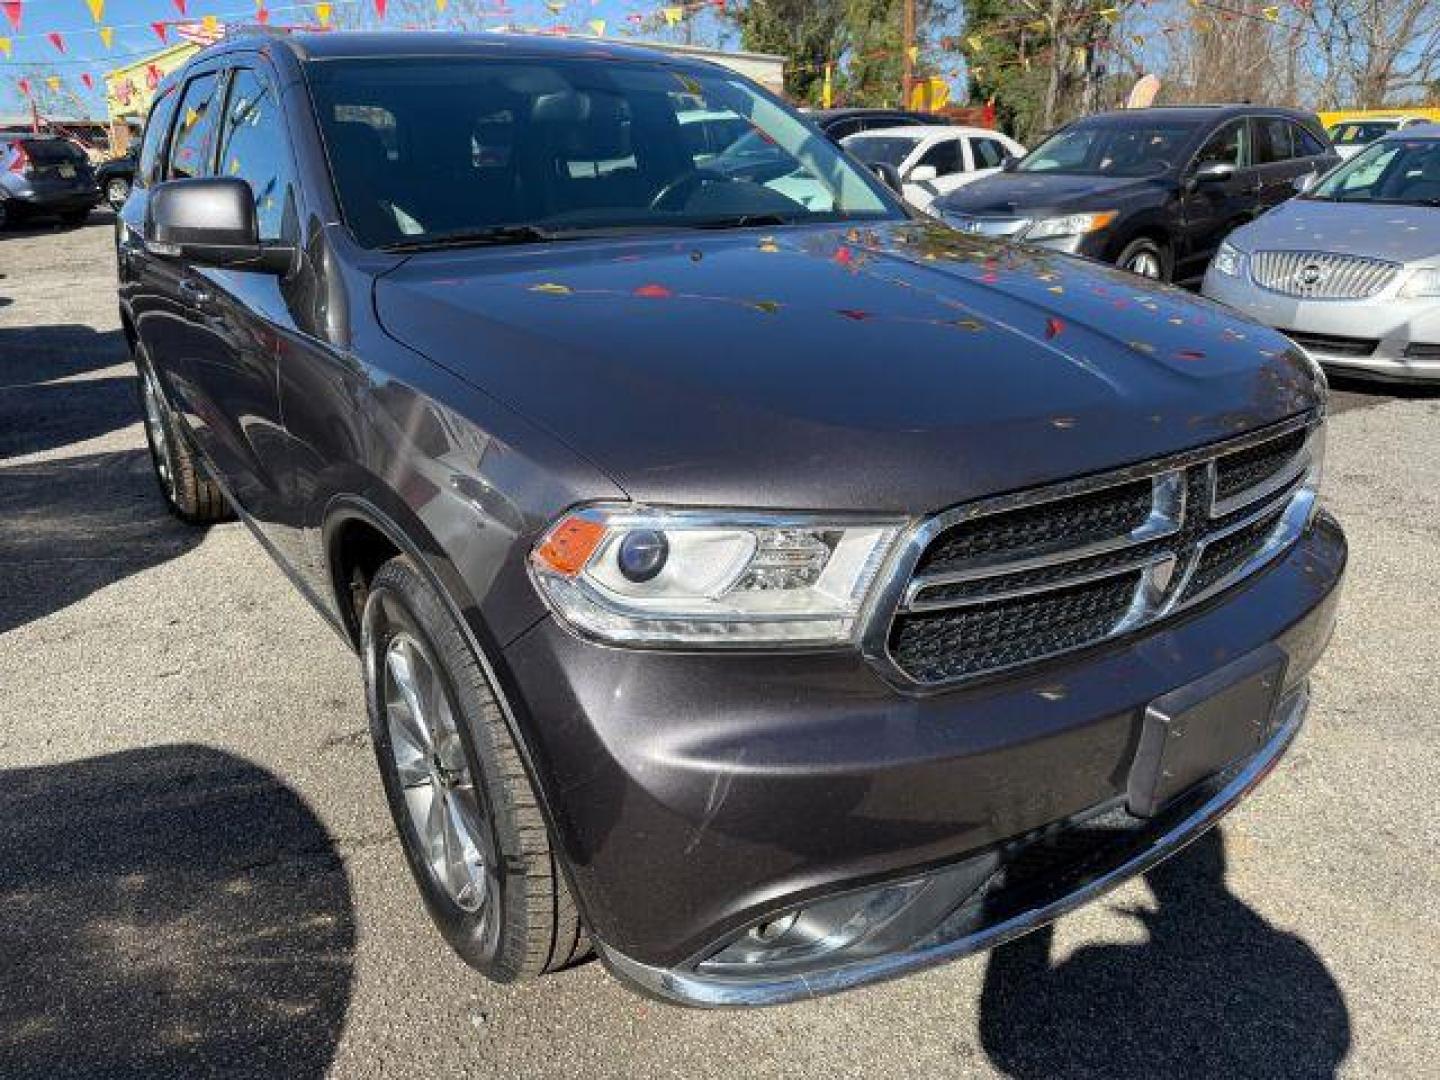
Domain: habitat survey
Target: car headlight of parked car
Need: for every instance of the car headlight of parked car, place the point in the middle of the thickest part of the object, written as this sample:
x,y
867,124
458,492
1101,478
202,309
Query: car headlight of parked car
x,y
634,576
1069,225
1422,282
1229,260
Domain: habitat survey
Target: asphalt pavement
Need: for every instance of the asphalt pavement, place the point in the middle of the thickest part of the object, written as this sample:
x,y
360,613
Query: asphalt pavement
x,y
198,875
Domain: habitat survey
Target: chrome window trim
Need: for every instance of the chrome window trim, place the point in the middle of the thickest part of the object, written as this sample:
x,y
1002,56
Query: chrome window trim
x,y
1160,590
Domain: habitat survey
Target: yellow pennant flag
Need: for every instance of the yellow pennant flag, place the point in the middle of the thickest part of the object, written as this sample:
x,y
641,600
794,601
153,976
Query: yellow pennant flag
x,y
107,36
598,26
322,12
914,53
53,82
1138,39
1039,26
440,5
555,7
6,46
673,15
211,23
1271,13
97,9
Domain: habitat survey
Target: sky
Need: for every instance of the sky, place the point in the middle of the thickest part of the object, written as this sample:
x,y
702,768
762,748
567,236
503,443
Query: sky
x,y
34,56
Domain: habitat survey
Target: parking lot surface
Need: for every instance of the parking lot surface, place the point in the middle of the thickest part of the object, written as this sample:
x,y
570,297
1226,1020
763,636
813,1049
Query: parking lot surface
x,y
198,874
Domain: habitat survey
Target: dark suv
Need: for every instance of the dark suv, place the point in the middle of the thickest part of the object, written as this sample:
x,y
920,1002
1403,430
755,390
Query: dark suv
x,y
44,176
1153,191
766,589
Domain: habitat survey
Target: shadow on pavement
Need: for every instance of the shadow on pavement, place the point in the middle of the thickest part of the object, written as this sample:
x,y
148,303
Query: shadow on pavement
x,y
168,912
1216,991
47,400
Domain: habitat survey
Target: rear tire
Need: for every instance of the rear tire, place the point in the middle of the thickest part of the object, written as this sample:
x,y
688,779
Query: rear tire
x,y
468,819
185,485
1146,258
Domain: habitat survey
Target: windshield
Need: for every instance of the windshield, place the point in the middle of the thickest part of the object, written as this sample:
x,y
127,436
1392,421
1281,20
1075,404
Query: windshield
x,y
1359,134
569,146
889,149
1394,171
1127,149
53,152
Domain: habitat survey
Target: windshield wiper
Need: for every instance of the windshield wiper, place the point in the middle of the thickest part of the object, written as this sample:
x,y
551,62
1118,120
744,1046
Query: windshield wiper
x,y
742,221
497,234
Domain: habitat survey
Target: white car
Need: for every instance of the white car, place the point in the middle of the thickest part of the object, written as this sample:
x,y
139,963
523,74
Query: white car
x,y
934,160
1352,136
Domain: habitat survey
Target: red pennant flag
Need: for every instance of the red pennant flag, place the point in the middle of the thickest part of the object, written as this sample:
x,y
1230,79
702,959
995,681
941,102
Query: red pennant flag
x,y
153,76
24,85
263,16
161,30
380,8
57,40
180,6
12,12
87,80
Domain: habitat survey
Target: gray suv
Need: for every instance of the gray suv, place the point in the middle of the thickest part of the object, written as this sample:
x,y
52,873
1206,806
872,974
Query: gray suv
x,y
753,585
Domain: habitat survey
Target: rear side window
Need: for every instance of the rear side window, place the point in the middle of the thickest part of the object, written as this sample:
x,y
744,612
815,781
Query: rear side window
x,y
190,149
945,157
1272,140
254,147
147,171
989,154
1306,144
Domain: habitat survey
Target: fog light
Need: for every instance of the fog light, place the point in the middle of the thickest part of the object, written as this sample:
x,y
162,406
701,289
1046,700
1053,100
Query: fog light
x,y
642,554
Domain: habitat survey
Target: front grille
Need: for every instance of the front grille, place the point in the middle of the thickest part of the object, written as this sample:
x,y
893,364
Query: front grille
x,y
1334,344
1321,275
1021,579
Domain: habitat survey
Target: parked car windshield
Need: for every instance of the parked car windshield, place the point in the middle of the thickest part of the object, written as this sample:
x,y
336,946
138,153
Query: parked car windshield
x,y
1127,149
449,150
1394,171
1359,134
889,149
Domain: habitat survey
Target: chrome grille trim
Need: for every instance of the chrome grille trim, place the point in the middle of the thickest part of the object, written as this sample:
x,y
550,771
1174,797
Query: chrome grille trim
x,y
1174,541
1321,275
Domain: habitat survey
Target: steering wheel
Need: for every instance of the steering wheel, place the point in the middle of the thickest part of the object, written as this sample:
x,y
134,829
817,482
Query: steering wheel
x,y
674,195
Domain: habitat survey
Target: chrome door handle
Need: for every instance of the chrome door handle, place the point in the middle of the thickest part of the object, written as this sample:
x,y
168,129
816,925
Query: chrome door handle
x,y
192,292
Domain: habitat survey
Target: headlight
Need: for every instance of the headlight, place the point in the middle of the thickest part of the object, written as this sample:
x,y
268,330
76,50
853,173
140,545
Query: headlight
x,y
1069,225
1423,282
679,577
1229,260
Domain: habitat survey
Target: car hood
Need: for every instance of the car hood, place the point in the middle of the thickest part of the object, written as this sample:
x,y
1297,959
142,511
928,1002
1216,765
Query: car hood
x,y
904,367
1378,230
1026,193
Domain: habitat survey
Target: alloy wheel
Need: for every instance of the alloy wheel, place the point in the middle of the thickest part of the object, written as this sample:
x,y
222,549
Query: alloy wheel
x,y
434,775
156,432
1145,263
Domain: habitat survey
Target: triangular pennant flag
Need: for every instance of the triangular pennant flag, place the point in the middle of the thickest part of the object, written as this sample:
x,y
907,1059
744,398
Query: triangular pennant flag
x,y
914,53
97,9
380,8
5,46
107,36
1110,14
263,16
440,5
976,42
53,82
88,80
322,12
555,6
24,85
211,23
180,6
161,30
673,15
12,12
598,26
57,39
1271,13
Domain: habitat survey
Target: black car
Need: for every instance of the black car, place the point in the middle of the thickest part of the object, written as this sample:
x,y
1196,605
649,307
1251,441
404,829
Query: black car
x,y
839,123
1153,191
114,177
771,594
44,176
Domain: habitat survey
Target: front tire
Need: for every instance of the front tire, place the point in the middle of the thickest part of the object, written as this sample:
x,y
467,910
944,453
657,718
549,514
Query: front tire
x,y
185,485
467,816
1145,258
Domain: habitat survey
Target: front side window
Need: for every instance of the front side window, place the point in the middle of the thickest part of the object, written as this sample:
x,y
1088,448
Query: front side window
x,y
1394,171
147,171
989,154
190,149
254,147
944,157
569,145
1272,140
1306,144
1225,147
1111,149
881,149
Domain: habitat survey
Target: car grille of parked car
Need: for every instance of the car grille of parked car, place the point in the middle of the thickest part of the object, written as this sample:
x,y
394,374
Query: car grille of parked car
x,y
1321,275
1334,344
1021,579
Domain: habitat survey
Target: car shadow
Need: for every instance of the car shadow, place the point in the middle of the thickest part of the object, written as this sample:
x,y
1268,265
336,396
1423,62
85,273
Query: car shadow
x,y
167,912
50,395
46,225
1214,991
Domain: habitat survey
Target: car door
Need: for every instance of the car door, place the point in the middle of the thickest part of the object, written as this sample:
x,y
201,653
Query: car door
x,y
1210,210
945,155
1277,160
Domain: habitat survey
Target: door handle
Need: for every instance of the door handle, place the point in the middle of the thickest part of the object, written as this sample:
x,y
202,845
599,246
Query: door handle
x,y
196,294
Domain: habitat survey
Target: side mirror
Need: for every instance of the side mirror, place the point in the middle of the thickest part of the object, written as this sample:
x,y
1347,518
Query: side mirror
x,y
923,174
211,222
888,175
1305,181
1214,172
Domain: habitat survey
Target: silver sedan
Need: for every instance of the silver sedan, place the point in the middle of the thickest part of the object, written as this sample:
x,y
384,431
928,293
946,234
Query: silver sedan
x,y
1351,268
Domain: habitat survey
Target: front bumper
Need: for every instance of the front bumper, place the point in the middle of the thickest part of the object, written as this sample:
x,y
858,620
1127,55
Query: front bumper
x,y
693,794
1400,328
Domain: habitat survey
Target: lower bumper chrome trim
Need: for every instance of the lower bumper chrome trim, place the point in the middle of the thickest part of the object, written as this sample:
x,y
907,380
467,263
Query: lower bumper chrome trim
x,y
685,987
